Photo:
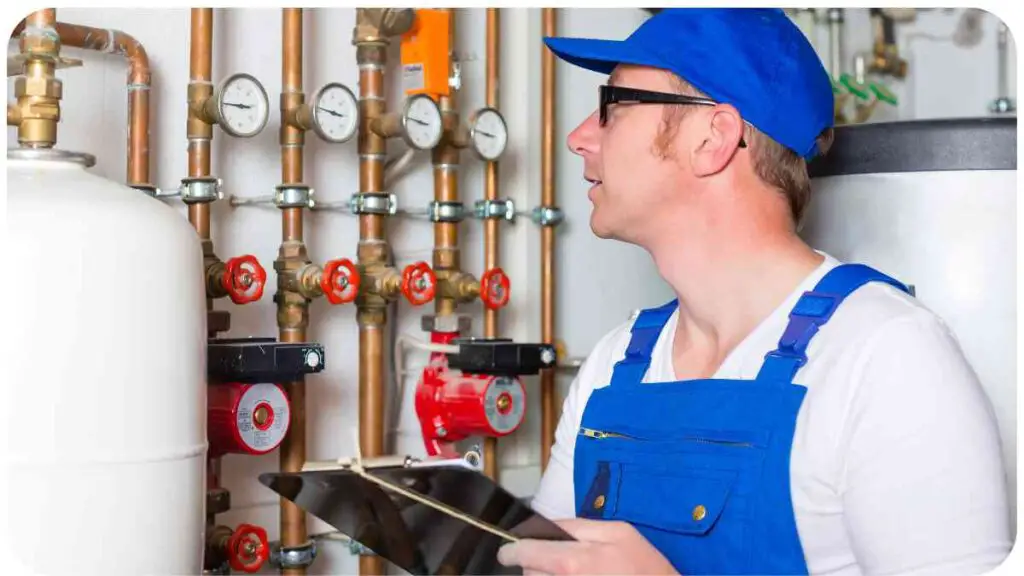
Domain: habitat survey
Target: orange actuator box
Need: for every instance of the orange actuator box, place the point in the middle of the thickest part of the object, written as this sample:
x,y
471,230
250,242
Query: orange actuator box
x,y
426,54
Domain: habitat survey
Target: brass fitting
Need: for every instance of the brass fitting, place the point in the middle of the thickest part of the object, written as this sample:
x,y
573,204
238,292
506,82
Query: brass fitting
x,y
376,25
202,110
37,90
886,60
292,305
296,114
456,132
306,281
214,269
457,285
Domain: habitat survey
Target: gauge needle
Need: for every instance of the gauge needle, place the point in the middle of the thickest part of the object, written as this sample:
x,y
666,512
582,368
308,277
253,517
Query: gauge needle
x,y
418,121
246,106
331,112
488,134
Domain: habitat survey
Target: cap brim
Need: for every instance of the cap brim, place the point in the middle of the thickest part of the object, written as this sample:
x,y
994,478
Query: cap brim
x,y
599,55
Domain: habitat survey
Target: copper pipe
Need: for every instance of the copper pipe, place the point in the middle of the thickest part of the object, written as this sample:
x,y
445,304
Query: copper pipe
x,y
293,308
200,133
491,238
44,18
548,406
371,56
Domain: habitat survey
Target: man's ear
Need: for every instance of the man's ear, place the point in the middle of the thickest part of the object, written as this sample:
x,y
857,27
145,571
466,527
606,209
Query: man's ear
x,y
723,133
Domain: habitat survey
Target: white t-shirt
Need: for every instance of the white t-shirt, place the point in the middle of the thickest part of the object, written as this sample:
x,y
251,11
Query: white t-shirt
x,y
895,464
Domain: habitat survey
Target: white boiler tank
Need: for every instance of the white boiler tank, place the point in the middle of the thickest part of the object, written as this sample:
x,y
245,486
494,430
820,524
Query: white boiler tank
x,y
934,203
106,374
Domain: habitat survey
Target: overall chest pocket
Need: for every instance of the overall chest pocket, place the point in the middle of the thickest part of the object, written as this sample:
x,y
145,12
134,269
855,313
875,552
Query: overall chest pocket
x,y
693,506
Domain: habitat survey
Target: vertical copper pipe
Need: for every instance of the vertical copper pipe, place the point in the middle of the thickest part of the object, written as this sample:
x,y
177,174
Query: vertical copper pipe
x,y
293,448
549,413
445,158
200,134
139,83
371,56
491,238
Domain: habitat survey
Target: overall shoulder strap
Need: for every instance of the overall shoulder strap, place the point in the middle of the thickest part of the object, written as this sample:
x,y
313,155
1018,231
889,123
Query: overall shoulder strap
x,y
811,312
644,335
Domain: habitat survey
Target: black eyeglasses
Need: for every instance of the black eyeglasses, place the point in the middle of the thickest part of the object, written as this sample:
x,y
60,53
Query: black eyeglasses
x,y
619,94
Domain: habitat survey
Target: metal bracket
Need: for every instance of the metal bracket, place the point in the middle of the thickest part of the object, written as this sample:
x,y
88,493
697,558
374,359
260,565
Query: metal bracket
x,y
297,557
374,203
200,190
547,216
445,211
486,209
293,196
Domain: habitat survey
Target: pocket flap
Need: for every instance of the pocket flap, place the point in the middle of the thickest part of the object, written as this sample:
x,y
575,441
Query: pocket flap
x,y
684,501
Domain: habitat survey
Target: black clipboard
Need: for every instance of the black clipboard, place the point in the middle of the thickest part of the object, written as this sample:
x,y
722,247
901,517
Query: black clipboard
x,y
468,519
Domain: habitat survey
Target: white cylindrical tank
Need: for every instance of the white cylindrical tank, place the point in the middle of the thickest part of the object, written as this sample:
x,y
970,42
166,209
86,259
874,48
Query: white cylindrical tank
x,y
934,204
106,385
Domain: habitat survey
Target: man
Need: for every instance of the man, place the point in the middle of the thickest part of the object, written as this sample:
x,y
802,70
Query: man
x,y
788,413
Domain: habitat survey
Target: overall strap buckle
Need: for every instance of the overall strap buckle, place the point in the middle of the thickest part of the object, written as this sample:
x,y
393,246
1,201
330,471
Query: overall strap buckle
x,y
814,309
643,337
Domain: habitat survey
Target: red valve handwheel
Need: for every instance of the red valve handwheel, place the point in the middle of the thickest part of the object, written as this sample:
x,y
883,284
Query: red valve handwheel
x,y
340,281
248,548
244,279
494,288
418,282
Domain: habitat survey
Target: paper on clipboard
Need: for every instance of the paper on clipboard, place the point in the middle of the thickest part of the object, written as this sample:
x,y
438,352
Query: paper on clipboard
x,y
425,520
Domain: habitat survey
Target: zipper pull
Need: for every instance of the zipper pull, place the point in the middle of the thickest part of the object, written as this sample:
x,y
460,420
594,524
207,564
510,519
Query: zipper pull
x,y
593,433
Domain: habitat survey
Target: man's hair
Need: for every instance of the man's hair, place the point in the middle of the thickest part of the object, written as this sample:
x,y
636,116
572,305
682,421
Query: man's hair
x,y
774,164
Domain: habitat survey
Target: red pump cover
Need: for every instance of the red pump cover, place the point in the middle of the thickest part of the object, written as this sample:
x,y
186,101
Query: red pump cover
x,y
246,418
452,405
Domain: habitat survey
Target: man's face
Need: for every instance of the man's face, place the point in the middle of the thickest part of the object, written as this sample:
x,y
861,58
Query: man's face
x,y
630,178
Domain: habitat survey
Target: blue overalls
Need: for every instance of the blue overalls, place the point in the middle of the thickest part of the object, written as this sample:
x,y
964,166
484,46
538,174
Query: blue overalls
x,y
701,467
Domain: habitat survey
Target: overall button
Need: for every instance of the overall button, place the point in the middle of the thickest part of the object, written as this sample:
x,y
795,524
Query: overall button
x,y
599,502
699,512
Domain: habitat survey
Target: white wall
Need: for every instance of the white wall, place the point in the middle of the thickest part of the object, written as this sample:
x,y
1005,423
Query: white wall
x,y
598,282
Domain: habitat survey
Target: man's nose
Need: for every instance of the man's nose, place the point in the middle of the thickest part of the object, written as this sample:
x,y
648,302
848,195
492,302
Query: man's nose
x,y
583,140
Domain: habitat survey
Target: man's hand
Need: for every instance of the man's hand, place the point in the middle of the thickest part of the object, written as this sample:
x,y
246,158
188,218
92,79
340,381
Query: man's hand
x,y
602,547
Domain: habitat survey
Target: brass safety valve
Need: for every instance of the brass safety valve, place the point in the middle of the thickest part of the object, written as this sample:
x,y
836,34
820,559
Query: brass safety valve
x,y
37,90
417,282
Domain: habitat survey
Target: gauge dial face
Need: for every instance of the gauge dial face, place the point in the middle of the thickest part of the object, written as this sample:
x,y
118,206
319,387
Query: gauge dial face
x,y
421,122
488,133
335,113
243,106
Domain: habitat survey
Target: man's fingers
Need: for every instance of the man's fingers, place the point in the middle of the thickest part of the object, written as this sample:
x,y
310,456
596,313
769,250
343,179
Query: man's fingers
x,y
586,530
544,556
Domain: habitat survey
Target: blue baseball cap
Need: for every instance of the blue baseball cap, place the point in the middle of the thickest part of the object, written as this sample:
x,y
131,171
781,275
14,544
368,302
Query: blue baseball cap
x,y
755,59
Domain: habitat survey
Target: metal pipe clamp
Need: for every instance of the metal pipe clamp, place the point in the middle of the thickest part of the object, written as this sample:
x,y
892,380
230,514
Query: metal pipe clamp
x,y
374,203
547,216
293,196
486,209
297,557
201,189
445,211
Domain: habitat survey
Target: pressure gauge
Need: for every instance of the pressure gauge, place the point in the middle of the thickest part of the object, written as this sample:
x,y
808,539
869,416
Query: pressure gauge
x,y
421,122
488,132
335,113
242,106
